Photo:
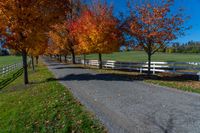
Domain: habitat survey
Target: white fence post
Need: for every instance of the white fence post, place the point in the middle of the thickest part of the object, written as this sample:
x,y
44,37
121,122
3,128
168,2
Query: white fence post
x,y
154,69
3,73
140,69
174,67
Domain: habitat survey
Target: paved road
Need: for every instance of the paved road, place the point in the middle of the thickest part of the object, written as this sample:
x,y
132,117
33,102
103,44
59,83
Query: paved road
x,y
131,106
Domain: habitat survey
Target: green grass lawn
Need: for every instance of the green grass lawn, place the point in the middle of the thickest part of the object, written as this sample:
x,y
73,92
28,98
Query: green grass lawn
x,y
139,56
9,78
6,60
43,106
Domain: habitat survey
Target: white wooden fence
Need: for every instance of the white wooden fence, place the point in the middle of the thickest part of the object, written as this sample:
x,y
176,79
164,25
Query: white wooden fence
x,y
190,68
4,70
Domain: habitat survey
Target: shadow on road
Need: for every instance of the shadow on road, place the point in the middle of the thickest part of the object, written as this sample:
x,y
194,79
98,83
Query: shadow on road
x,y
117,77
88,76
55,64
69,67
113,77
103,77
166,126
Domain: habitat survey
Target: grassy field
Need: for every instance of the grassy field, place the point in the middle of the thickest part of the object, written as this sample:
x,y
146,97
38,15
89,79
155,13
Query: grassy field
x,y
43,106
6,60
9,78
139,56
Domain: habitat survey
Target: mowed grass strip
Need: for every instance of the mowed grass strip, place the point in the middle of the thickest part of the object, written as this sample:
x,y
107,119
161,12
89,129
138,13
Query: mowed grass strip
x,y
141,56
43,106
8,60
187,85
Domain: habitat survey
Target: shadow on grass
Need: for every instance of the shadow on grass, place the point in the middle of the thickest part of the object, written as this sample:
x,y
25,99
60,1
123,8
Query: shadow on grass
x,y
10,79
181,78
44,81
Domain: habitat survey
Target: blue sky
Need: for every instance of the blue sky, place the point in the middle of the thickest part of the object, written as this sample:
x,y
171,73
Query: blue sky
x,y
192,9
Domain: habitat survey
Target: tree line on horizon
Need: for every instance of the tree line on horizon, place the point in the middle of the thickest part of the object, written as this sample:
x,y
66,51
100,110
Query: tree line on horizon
x,y
72,27
189,47
192,47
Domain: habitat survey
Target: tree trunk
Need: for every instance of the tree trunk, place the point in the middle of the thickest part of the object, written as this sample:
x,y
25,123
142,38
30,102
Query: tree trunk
x,y
73,58
32,63
65,58
25,67
100,61
84,59
149,64
36,58
60,58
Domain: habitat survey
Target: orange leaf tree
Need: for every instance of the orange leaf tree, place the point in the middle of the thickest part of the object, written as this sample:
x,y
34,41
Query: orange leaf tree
x,y
58,41
40,50
22,18
152,25
39,40
97,31
61,34
52,49
63,39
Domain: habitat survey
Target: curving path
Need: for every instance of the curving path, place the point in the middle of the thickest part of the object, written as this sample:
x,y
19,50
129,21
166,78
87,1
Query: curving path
x,y
124,105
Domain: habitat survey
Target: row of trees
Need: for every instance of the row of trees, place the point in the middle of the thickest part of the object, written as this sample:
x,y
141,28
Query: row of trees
x,y
189,47
26,22
149,26
63,27
88,30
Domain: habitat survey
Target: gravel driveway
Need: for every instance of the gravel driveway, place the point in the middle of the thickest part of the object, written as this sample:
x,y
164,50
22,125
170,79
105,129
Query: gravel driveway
x,y
124,105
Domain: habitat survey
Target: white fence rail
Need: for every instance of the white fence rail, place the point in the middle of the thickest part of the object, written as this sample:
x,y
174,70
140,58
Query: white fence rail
x,y
9,68
192,68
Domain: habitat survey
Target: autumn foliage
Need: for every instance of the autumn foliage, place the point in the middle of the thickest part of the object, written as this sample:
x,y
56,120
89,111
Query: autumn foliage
x,y
61,34
63,40
69,27
152,25
97,31
23,19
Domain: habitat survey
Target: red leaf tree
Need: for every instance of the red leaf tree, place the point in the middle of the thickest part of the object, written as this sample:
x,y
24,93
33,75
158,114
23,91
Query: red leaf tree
x,y
152,25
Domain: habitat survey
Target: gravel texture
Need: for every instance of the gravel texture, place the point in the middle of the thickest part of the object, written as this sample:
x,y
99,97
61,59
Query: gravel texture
x,y
124,105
